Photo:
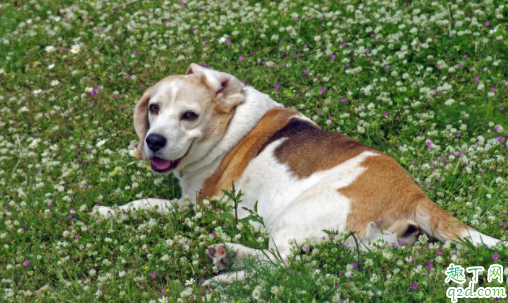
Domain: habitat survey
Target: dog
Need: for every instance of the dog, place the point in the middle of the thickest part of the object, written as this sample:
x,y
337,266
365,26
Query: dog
x,y
210,130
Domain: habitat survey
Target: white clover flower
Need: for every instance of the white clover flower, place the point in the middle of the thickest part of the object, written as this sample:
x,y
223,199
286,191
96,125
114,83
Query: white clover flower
x,y
75,48
37,91
24,109
101,143
51,66
222,40
50,48
55,82
449,102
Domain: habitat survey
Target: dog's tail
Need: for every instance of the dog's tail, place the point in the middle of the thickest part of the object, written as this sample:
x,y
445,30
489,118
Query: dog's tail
x,y
438,223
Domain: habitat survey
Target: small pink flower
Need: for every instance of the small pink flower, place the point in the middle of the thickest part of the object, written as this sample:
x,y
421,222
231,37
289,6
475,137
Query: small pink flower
x,y
127,75
495,256
414,286
69,217
240,58
121,106
91,105
77,236
476,79
387,67
134,53
458,134
486,24
182,3
334,56
297,55
496,128
429,265
116,97
429,144
26,262
386,114
343,100
322,90
213,233
438,252
305,71
228,41
153,275
277,85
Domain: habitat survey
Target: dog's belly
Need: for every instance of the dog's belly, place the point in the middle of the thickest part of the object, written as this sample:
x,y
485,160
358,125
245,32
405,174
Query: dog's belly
x,y
279,191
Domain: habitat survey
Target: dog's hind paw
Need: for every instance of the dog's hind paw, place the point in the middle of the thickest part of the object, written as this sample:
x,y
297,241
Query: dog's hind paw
x,y
218,254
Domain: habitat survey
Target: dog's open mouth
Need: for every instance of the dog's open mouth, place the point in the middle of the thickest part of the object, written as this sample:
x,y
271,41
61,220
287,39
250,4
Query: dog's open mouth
x,y
163,166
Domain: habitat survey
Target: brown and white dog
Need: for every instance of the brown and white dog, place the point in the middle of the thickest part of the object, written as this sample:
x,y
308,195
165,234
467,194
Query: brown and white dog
x,y
210,130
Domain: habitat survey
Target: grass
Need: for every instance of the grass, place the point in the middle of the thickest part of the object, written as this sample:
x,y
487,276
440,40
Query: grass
x,y
423,81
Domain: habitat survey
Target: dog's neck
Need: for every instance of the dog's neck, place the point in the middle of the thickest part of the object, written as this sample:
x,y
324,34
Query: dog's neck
x,y
246,117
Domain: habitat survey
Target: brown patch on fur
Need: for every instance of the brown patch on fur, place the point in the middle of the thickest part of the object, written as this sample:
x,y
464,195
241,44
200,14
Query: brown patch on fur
x,y
235,162
141,122
309,149
385,193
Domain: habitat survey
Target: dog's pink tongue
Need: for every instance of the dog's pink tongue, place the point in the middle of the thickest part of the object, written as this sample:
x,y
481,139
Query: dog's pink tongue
x,y
161,164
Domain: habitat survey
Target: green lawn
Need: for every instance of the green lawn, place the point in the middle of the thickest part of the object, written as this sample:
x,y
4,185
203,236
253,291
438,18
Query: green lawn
x,y
424,81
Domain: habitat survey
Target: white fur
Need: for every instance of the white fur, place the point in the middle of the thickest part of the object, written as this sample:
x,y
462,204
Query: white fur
x,y
302,117
478,238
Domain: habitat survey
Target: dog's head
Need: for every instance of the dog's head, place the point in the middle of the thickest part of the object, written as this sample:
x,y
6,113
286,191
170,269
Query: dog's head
x,y
181,118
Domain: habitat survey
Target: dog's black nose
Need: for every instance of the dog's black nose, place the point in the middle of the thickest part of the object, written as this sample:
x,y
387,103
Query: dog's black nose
x,y
155,142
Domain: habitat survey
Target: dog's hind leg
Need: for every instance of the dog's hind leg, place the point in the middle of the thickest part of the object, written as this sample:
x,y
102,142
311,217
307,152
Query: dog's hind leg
x,y
162,206
232,256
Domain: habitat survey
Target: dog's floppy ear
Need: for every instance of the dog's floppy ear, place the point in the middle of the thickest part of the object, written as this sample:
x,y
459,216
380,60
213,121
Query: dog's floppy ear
x,y
226,87
141,123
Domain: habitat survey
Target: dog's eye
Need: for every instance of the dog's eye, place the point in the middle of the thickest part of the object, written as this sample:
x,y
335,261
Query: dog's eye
x,y
154,108
189,116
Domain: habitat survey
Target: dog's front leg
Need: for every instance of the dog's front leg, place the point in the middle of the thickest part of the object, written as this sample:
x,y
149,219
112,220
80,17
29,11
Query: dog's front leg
x,y
161,205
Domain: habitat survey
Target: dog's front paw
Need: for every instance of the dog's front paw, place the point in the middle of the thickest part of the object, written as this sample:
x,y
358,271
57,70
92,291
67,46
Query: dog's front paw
x,y
219,256
103,211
